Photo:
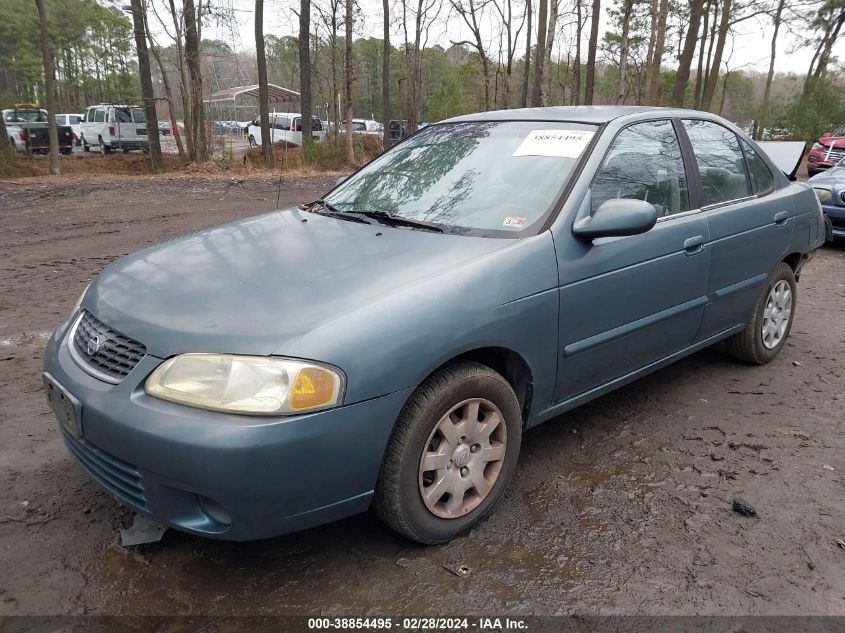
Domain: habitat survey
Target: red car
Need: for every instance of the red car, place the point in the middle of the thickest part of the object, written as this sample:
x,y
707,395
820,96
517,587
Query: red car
x,y
827,151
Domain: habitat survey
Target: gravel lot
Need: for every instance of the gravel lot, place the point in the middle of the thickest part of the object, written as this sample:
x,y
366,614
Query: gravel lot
x,y
621,506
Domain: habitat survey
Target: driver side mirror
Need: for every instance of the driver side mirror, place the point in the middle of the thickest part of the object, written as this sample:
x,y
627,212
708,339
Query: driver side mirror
x,y
617,217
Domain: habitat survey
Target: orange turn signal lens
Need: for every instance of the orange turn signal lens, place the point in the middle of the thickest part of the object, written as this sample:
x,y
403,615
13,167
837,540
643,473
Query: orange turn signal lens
x,y
312,387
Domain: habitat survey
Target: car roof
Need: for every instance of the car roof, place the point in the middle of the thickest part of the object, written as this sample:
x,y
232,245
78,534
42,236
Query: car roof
x,y
580,114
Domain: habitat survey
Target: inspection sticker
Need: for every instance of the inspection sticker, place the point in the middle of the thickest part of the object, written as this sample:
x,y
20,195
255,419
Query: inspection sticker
x,y
563,143
514,220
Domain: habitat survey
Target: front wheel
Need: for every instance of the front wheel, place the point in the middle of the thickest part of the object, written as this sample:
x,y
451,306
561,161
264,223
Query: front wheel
x,y
770,323
451,454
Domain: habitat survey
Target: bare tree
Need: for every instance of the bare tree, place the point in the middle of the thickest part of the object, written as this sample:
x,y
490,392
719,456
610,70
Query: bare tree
x,y
425,13
576,66
540,53
760,124
622,89
685,59
263,90
174,128
505,10
551,32
527,60
590,81
350,77
471,12
385,75
713,74
192,59
147,92
305,71
49,86
661,9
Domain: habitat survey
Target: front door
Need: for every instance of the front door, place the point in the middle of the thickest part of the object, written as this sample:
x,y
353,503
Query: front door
x,y
628,302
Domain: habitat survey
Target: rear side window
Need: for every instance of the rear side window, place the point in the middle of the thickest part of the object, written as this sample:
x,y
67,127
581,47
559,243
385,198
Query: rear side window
x,y
762,180
724,176
282,123
61,119
644,163
99,116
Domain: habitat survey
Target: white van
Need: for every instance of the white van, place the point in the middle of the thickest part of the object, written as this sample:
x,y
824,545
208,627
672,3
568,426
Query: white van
x,y
284,127
113,127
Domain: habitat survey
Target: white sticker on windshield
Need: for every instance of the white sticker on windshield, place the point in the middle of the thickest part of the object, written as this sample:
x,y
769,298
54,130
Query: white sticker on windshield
x,y
562,143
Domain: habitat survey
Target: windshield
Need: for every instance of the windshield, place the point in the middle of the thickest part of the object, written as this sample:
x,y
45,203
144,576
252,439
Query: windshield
x,y
489,176
28,116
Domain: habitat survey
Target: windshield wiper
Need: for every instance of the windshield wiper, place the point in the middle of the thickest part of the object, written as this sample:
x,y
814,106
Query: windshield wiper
x,y
333,211
396,220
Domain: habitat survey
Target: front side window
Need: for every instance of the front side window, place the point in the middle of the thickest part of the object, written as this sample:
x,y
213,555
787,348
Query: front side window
x,y
138,115
762,180
724,176
485,176
644,163
281,123
100,116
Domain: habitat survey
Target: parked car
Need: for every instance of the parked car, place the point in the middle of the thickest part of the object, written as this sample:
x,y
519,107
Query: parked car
x,y
28,129
364,126
830,190
115,127
284,128
389,345
827,151
74,121
164,128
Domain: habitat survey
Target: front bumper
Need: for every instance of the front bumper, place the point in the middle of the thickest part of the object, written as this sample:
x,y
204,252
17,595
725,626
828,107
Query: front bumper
x,y
182,466
836,218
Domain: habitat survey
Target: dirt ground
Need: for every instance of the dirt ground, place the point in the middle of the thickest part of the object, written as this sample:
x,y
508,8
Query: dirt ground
x,y
621,506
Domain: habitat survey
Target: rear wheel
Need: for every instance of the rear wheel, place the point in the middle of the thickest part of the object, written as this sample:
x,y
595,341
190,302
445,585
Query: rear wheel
x,y
105,149
451,454
770,323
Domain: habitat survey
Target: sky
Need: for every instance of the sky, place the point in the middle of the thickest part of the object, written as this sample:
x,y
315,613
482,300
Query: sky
x,y
748,49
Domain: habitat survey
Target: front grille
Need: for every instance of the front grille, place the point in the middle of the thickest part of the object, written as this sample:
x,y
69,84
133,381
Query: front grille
x,y
118,477
103,352
838,223
834,155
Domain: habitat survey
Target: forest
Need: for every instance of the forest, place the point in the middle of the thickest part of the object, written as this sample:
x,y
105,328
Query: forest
x,y
435,58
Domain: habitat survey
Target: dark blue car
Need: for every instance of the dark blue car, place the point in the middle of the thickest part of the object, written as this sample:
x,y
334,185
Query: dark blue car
x,y
388,345
830,190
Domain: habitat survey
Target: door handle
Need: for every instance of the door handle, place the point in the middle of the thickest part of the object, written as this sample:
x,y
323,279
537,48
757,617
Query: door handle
x,y
694,245
781,218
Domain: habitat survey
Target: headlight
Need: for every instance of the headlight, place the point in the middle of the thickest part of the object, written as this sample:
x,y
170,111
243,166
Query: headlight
x,y
255,385
823,195
79,301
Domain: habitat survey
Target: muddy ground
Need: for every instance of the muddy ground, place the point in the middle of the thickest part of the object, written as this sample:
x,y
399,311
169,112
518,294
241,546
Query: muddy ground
x,y
621,506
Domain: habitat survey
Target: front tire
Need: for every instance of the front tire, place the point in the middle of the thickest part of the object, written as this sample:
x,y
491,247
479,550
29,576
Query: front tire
x,y
451,455
767,330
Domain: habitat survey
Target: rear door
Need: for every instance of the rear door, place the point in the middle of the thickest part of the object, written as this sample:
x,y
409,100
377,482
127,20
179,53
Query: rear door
x,y
629,302
750,223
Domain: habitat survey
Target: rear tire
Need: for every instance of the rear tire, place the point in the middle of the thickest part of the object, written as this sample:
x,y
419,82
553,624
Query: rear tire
x,y
104,149
463,422
767,330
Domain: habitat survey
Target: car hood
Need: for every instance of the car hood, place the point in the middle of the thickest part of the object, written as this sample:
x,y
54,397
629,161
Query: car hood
x,y
831,177
838,142
251,286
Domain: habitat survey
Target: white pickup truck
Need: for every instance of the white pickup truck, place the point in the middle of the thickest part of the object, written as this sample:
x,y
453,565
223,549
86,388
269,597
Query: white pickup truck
x,y
27,127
